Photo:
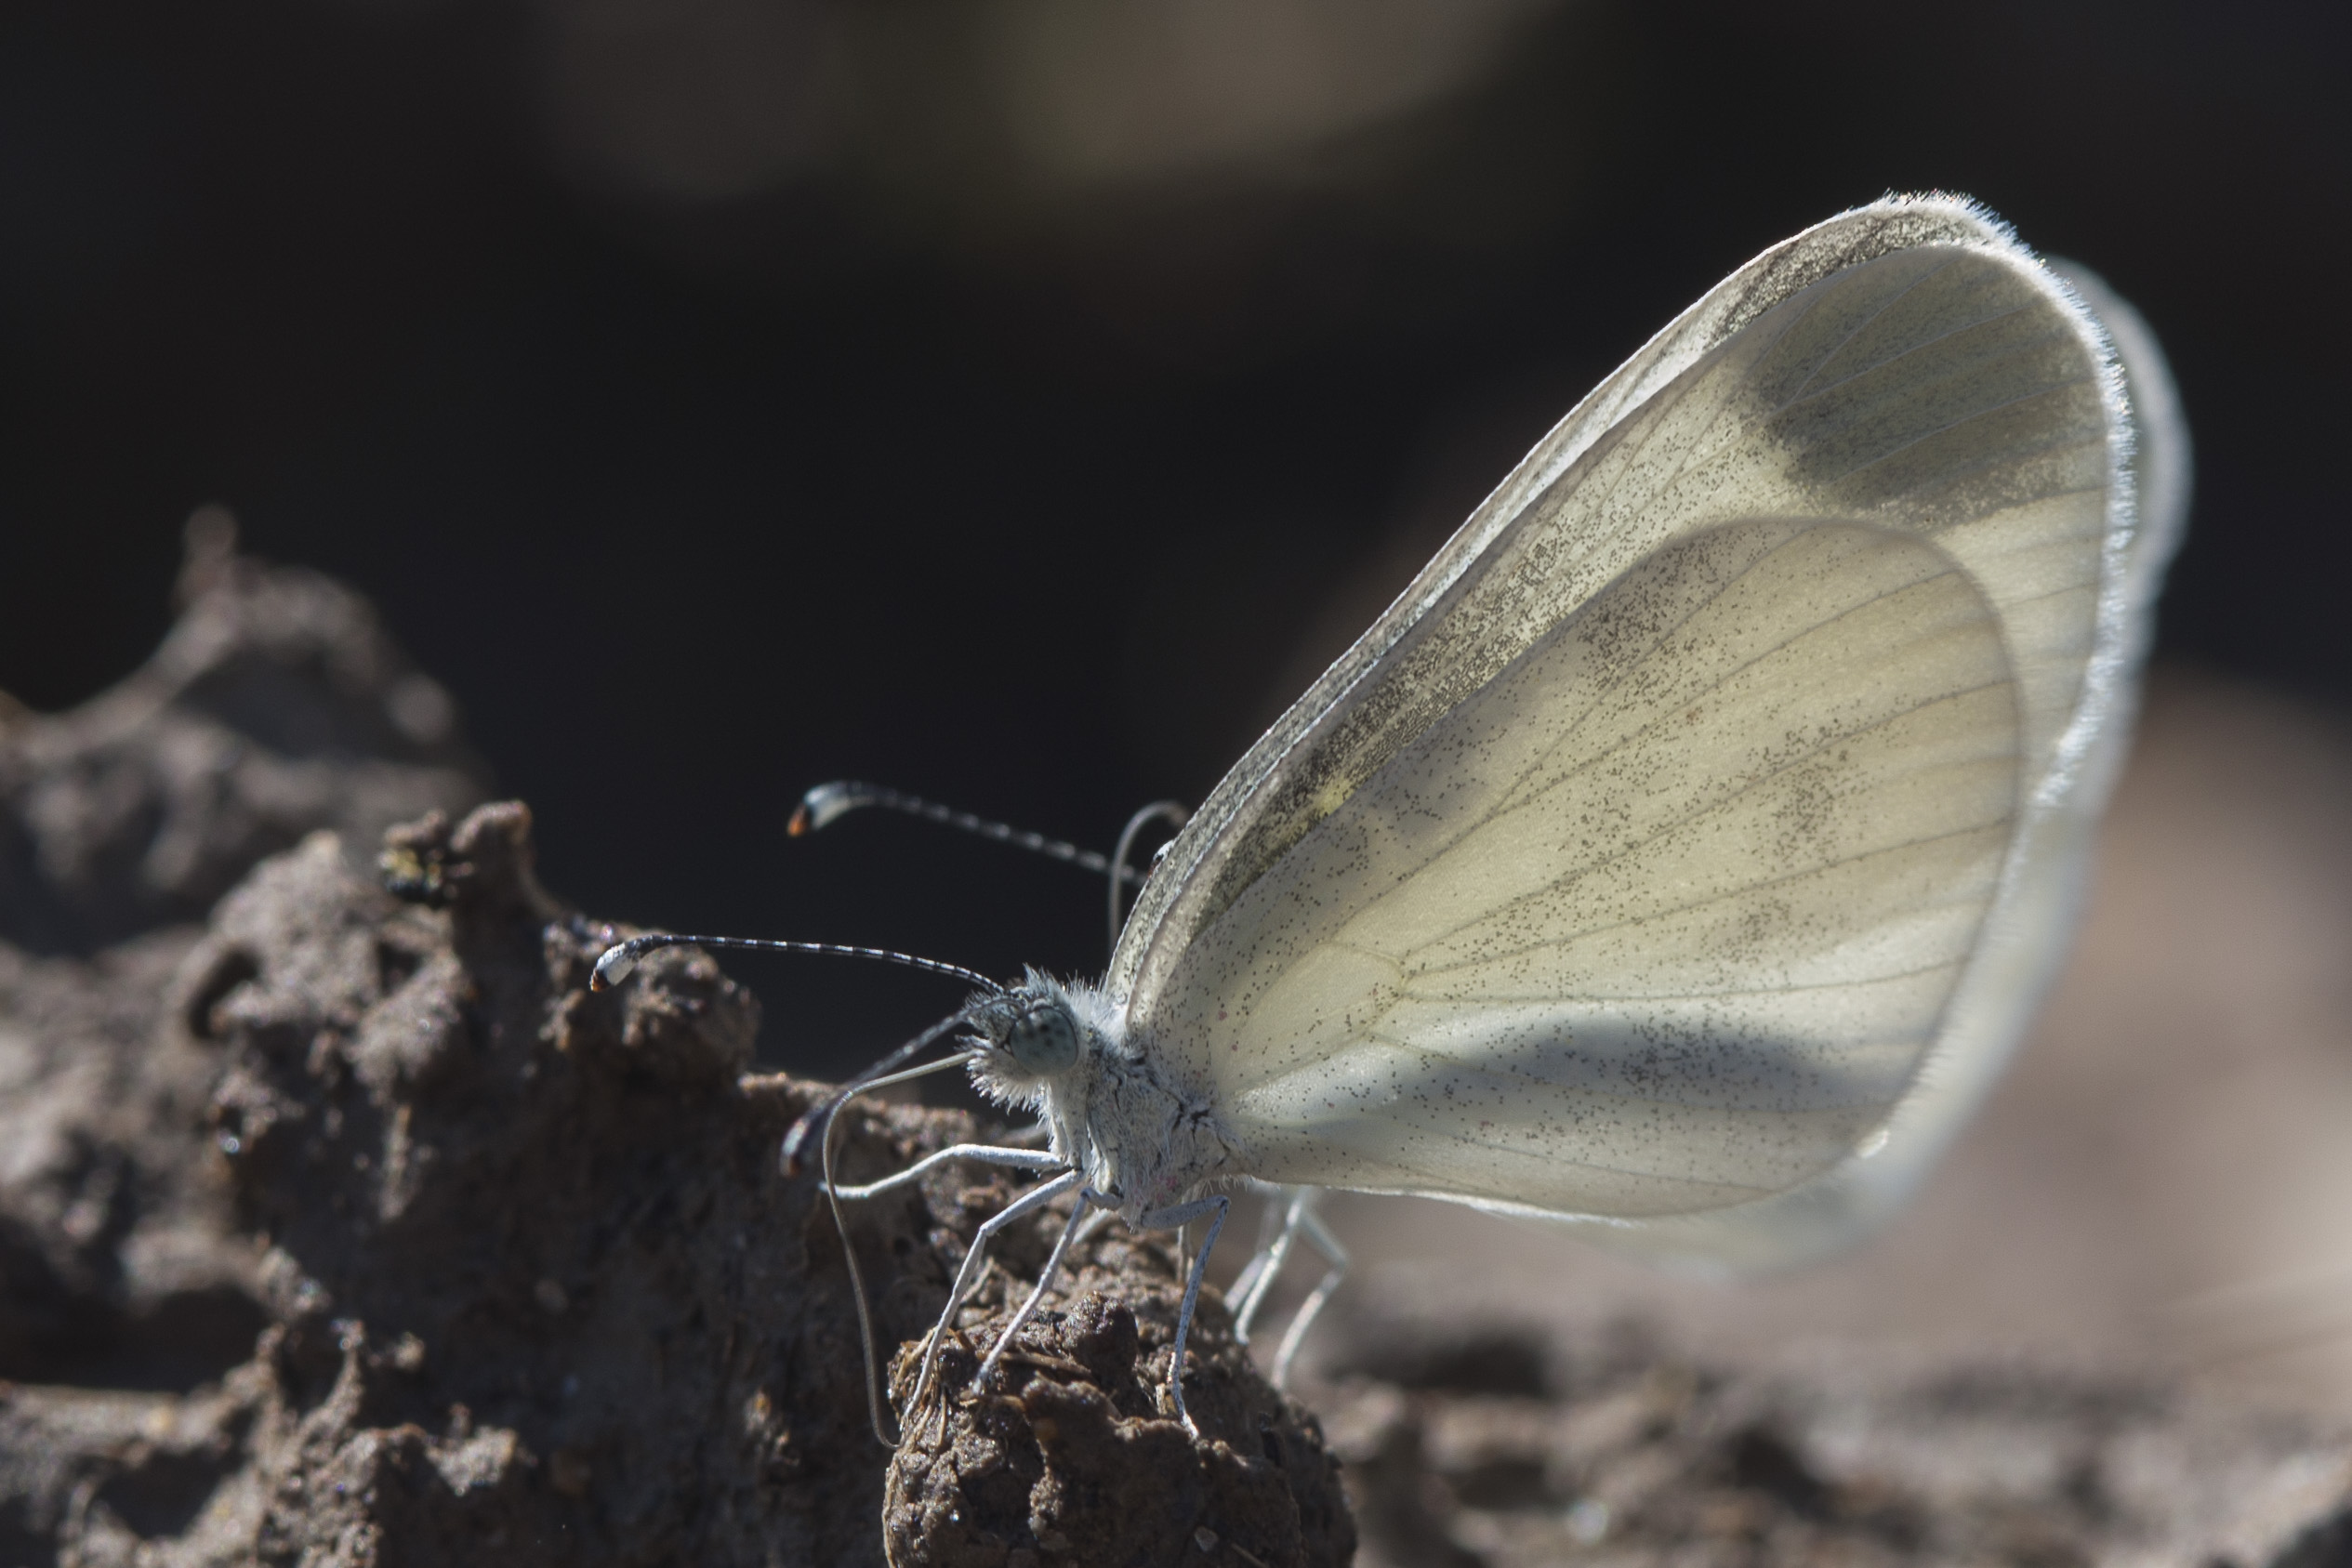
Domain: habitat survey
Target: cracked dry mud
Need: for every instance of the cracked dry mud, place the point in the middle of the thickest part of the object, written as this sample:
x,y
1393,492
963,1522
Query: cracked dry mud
x,y
347,1227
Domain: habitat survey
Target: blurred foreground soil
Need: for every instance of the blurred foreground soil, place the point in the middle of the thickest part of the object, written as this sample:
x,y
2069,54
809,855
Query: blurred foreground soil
x,y
340,1224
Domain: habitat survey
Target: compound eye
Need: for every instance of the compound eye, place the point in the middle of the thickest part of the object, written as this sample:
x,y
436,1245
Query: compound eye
x,y
1044,1041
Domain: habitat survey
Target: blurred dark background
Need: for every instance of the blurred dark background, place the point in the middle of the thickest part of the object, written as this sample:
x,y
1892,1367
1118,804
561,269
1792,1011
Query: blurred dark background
x,y
1017,402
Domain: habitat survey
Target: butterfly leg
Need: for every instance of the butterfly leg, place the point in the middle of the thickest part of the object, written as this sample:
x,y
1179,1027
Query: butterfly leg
x,y
1044,1192
1091,1208
1095,1220
1214,1209
984,1154
1286,1207
1319,1237
1269,1232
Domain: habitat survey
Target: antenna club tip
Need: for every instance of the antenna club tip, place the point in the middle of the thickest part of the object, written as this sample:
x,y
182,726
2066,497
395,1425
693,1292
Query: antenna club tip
x,y
789,1158
612,967
820,806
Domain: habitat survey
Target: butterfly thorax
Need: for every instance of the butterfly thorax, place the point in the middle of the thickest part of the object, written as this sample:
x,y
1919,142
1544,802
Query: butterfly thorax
x,y
1062,1050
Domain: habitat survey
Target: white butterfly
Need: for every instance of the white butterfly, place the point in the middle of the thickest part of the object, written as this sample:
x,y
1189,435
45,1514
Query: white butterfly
x,y
1684,850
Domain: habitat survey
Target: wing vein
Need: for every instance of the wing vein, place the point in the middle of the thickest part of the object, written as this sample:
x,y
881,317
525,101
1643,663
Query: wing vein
x,y
1509,807
1710,897
2003,456
1859,327
1599,758
1808,392
1711,994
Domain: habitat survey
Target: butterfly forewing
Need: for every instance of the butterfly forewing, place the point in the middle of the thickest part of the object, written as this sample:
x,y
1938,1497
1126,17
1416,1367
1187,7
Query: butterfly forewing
x,y
1629,864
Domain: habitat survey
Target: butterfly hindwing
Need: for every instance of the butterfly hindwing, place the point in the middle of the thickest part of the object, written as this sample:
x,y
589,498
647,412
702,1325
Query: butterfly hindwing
x,y
1660,918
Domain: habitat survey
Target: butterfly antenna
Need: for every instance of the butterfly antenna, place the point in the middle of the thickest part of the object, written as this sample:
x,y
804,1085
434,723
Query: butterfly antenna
x,y
1170,811
884,1071
828,802
824,1119
621,957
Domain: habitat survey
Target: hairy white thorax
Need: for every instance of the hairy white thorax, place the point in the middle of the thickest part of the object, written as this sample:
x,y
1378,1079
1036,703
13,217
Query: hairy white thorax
x,y
1143,1141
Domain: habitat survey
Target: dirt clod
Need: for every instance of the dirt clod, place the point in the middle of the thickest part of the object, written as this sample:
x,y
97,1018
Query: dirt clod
x,y
533,1285
352,1229
1074,1454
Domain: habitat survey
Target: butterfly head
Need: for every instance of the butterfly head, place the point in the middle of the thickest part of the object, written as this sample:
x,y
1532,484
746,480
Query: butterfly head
x,y
1043,1038
1031,1039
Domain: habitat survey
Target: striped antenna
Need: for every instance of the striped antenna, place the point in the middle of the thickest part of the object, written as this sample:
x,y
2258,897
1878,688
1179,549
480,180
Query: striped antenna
x,y
1175,816
621,957
828,802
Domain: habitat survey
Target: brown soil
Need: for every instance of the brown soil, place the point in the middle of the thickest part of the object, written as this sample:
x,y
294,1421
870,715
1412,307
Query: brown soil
x,y
349,1227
